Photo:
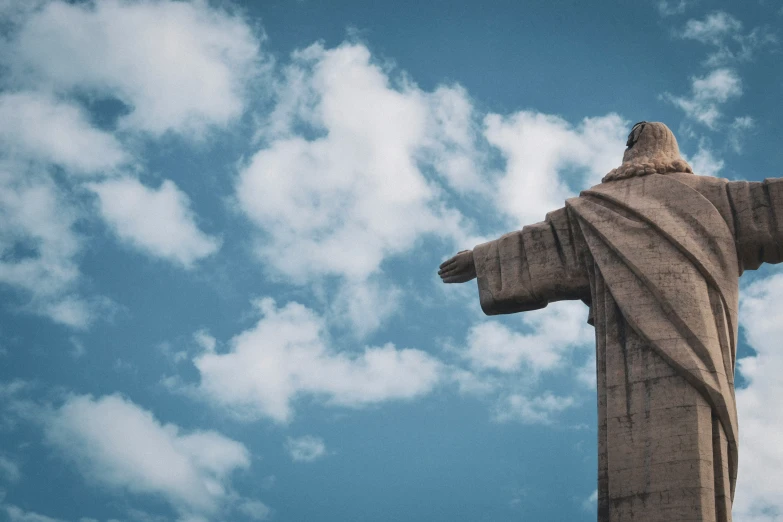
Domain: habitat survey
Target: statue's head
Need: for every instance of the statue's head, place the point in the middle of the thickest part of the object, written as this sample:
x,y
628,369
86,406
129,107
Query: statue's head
x,y
651,149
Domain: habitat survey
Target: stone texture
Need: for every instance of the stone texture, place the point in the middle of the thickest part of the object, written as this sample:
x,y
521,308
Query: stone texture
x,y
656,253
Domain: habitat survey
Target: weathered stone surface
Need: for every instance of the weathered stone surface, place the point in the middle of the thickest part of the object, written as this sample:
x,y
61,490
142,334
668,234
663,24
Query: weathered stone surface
x,y
656,253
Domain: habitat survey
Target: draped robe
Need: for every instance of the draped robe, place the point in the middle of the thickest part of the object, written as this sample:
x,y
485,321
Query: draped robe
x,y
657,258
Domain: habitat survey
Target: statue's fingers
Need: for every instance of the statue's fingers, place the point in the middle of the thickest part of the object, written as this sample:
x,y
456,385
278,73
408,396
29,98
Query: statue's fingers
x,y
450,270
458,278
448,262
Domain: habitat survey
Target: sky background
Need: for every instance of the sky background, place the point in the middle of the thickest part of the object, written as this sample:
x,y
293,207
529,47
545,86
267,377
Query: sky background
x,y
220,226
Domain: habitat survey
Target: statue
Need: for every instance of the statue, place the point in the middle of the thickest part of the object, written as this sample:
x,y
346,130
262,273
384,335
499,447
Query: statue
x,y
655,252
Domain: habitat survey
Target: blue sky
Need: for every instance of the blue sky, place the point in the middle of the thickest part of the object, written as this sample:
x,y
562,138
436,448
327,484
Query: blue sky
x,y
220,225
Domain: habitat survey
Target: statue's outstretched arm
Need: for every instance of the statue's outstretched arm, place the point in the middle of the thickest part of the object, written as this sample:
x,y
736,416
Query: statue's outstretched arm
x,y
757,215
526,269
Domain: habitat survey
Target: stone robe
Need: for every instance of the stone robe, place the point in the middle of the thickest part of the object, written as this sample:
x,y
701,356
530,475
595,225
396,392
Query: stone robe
x,y
657,258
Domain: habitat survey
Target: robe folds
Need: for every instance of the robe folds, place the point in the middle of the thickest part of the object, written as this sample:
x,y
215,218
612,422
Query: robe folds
x,y
657,258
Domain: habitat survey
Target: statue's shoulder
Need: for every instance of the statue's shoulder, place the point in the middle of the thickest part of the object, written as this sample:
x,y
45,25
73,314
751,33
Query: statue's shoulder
x,y
639,183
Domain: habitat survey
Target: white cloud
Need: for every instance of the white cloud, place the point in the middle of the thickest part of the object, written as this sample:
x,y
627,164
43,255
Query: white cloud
x,y
759,496
707,94
541,149
532,410
713,29
159,221
36,126
286,355
340,202
179,66
118,444
306,448
552,331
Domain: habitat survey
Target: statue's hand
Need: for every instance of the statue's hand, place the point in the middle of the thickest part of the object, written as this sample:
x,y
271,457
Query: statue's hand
x,y
458,269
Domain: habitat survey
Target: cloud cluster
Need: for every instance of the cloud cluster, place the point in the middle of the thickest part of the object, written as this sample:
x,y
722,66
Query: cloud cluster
x,y
730,45
340,201
178,67
510,362
287,355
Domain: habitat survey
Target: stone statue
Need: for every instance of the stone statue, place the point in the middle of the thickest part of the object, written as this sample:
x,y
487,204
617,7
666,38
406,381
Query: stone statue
x,y
655,252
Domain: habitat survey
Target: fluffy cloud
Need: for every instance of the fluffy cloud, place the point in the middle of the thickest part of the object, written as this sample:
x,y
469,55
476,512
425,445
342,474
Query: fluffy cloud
x,y
286,355
38,127
759,495
551,332
305,449
707,94
156,221
118,444
539,149
340,202
178,66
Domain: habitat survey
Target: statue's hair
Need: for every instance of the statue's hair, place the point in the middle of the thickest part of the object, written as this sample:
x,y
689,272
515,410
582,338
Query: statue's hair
x,y
651,149
630,170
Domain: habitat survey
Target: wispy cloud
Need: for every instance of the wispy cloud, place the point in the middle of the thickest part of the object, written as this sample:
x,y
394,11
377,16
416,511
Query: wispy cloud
x,y
673,7
708,93
538,409
725,33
